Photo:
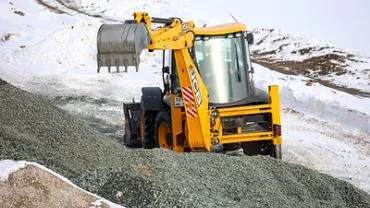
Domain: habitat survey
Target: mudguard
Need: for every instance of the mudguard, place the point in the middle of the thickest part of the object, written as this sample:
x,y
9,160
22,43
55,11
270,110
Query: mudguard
x,y
132,124
151,98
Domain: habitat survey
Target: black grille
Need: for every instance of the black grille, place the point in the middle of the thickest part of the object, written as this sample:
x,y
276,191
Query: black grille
x,y
247,123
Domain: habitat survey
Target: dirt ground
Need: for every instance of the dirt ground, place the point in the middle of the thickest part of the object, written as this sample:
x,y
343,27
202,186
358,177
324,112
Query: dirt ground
x,y
34,187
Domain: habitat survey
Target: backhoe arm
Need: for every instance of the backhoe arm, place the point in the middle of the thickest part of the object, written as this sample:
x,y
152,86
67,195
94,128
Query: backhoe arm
x,y
174,34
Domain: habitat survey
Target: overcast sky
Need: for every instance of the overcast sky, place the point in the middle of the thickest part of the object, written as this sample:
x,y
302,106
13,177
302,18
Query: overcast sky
x,y
346,23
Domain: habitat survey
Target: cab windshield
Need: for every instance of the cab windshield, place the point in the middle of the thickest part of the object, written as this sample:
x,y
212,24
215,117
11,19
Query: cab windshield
x,y
223,66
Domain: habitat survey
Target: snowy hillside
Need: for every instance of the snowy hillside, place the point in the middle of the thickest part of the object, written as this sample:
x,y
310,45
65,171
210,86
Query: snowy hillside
x,y
49,47
320,61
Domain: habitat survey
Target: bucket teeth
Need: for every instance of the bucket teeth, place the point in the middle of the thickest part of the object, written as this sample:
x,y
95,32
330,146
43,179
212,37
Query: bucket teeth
x,y
121,44
116,62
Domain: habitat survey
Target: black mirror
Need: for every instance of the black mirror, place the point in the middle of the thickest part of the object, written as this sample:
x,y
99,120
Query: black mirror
x,y
166,69
250,38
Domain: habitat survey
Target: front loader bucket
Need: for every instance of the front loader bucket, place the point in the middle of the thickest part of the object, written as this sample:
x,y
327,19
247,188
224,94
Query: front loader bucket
x,y
121,44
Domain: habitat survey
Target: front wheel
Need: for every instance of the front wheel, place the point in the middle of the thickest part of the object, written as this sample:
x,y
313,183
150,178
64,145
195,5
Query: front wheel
x,y
163,129
277,152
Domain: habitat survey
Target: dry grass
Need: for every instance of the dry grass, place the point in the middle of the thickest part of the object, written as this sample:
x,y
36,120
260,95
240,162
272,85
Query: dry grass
x,y
20,13
9,36
313,67
49,7
293,68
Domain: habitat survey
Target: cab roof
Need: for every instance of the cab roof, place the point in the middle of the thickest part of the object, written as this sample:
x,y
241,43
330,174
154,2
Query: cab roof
x,y
221,29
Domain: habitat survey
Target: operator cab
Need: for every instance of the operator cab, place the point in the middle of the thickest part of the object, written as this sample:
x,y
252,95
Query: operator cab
x,y
223,59
224,64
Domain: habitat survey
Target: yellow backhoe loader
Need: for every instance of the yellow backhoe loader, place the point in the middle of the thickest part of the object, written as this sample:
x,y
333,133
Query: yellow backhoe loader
x,y
208,102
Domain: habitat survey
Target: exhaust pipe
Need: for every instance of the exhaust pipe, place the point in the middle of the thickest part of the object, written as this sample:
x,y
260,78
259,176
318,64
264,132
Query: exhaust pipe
x,y
121,44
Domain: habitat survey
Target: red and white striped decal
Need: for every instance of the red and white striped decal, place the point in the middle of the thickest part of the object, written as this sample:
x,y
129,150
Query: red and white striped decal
x,y
188,95
189,101
192,112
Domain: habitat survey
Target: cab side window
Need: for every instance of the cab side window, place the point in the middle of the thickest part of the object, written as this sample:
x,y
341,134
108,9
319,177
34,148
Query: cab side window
x,y
170,71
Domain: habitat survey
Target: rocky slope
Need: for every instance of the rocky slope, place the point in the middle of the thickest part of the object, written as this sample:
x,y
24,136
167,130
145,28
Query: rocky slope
x,y
320,61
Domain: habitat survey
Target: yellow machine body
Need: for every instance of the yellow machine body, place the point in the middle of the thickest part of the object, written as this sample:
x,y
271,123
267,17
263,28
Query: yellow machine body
x,y
195,125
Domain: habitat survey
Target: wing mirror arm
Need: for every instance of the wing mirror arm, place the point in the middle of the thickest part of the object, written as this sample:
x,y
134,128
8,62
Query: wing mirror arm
x,y
166,70
250,38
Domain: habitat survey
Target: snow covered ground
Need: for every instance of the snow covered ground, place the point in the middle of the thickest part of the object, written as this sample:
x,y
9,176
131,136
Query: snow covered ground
x,y
323,129
55,55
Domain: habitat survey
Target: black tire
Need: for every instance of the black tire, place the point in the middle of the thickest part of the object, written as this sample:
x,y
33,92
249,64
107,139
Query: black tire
x,y
129,143
126,141
277,151
148,140
164,115
261,148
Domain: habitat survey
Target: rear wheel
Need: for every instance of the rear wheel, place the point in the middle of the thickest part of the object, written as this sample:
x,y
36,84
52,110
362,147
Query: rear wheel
x,y
262,148
277,151
163,129
147,119
126,141
234,149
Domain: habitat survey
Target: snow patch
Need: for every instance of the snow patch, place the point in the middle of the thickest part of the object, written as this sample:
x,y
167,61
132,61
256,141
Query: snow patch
x,y
9,166
316,100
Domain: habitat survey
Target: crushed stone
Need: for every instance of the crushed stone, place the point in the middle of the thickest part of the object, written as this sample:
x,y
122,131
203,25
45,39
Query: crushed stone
x,y
32,129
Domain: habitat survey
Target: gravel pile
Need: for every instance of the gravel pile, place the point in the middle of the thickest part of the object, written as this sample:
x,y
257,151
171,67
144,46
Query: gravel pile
x,y
32,129
160,178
